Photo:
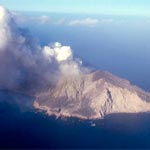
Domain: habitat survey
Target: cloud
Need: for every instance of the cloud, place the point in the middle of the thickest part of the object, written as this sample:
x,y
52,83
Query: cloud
x,y
23,19
47,20
86,21
91,22
43,19
25,65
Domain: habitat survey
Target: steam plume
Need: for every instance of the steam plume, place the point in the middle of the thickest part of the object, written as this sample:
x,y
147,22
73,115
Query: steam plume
x,y
24,64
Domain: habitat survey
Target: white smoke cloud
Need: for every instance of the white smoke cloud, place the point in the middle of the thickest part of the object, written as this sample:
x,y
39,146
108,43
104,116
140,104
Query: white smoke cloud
x,y
61,53
64,57
24,64
5,30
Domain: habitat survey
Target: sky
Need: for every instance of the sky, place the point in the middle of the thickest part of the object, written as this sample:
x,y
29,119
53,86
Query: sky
x,y
111,7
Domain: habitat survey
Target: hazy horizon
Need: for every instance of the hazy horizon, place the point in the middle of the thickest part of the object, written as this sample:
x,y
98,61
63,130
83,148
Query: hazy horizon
x,y
128,7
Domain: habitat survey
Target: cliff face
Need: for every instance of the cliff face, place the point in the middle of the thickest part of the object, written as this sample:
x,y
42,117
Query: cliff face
x,y
92,96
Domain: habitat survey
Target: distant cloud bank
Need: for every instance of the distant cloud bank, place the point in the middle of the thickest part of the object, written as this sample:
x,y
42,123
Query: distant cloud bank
x,y
86,21
48,20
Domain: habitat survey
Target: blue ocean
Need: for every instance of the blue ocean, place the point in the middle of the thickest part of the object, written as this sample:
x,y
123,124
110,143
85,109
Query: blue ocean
x,y
28,128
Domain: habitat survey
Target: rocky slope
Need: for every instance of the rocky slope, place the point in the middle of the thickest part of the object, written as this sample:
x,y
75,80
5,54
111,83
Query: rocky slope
x,y
92,96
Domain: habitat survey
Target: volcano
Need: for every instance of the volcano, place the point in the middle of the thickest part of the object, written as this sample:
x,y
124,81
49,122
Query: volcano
x,y
92,96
